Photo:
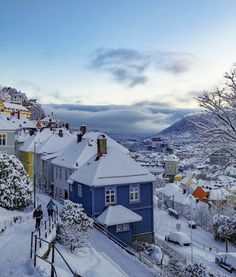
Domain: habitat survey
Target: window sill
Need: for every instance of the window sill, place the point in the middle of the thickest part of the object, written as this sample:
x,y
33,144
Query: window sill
x,y
122,231
134,201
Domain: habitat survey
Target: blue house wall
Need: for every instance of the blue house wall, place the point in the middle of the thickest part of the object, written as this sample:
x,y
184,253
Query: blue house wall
x,y
93,201
86,200
124,236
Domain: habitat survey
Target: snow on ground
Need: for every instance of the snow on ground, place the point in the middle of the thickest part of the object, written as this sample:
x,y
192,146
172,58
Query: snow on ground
x,y
15,248
102,258
165,224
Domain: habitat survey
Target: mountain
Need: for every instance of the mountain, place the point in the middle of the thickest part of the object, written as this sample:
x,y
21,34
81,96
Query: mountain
x,y
184,126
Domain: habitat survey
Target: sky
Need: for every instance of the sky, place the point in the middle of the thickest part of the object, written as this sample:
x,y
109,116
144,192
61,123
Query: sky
x,y
127,66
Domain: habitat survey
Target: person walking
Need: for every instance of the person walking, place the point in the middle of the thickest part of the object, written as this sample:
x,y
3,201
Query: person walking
x,y
38,215
50,208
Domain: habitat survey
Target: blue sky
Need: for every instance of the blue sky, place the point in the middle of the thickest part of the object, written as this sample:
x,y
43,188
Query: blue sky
x,y
116,52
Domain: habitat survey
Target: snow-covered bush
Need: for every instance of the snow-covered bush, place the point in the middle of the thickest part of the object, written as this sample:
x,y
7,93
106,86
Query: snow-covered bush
x,y
74,227
15,185
193,270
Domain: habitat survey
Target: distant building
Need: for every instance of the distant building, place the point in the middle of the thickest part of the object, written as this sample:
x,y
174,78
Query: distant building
x,y
10,109
171,166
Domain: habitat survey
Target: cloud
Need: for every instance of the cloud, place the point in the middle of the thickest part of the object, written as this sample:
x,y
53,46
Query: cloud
x,y
29,85
140,119
130,67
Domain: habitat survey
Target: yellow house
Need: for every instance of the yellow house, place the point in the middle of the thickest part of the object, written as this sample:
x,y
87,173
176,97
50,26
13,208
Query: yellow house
x,y
27,159
12,109
179,177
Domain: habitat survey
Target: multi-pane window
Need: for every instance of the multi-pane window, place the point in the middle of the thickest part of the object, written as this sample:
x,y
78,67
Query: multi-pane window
x,y
66,174
79,190
134,193
3,139
122,227
110,196
60,173
56,169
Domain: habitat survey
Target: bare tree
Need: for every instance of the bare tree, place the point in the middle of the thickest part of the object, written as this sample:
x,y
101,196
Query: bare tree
x,y
219,119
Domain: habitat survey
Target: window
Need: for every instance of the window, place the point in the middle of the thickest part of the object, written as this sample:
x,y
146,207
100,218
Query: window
x,y
60,192
79,190
134,193
122,227
60,173
56,169
2,139
110,196
66,174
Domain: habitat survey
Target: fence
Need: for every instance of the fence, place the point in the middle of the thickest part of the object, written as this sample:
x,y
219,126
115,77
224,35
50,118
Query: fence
x,y
169,250
37,241
141,256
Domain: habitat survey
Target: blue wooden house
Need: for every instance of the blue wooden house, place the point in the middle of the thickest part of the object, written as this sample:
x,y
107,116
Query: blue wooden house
x,y
117,192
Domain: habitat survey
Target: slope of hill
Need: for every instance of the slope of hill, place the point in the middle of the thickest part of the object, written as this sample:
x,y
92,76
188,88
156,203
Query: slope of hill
x,y
184,126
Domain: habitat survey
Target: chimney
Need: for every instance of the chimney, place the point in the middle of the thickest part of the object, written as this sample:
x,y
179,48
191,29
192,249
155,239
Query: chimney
x,y
67,126
83,129
102,145
60,133
79,137
18,114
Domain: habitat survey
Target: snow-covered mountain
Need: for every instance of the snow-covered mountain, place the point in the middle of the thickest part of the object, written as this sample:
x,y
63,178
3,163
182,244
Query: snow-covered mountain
x,y
183,126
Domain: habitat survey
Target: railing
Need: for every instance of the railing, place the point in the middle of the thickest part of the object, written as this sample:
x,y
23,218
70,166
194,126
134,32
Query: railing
x,y
169,250
141,256
36,243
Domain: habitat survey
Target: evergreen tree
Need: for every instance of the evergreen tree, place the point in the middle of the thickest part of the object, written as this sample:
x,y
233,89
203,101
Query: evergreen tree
x,y
74,227
15,185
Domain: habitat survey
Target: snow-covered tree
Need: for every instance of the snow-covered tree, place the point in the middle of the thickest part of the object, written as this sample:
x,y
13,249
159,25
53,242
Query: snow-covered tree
x,y
193,270
218,124
15,185
74,227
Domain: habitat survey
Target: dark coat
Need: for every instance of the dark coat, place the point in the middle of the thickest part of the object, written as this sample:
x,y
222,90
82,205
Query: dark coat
x,y
38,213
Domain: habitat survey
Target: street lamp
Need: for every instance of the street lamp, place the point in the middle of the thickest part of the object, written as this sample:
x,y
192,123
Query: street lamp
x,y
34,164
191,218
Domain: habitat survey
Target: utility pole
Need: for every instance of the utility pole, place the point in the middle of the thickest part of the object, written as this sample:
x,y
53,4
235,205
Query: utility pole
x,y
191,217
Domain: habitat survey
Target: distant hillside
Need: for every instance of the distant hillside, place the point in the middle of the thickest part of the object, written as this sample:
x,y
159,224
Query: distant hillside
x,y
35,108
183,126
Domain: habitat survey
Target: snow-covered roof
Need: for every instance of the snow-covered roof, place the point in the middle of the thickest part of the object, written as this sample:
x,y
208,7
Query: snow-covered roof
x,y
170,189
7,125
219,194
55,143
49,156
171,158
118,214
14,106
114,168
36,140
77,154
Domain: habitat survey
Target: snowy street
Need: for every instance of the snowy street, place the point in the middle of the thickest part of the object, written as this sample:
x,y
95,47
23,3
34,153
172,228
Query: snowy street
x,y
165,224
15,244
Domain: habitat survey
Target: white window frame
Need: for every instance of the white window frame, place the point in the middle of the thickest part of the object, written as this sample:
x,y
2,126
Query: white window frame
x,y
122,227
66,174
3,137
56,172
79,190
134,193
110,192
60,173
